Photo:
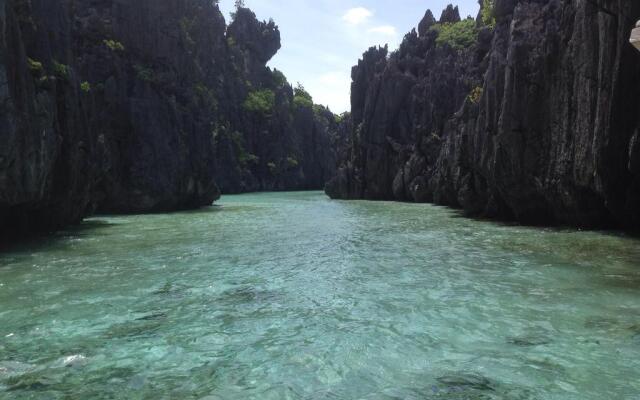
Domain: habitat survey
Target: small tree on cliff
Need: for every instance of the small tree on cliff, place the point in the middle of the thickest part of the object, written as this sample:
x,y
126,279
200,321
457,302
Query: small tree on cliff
x,y
302,98
239,4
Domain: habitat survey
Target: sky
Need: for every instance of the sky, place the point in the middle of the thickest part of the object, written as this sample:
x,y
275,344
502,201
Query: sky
x,y
323,39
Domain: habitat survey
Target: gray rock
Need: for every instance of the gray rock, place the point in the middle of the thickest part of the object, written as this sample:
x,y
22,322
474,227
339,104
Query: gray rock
x,y
536,121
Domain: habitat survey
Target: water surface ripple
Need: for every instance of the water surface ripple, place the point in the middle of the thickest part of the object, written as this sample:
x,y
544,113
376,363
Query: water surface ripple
x,y
294,296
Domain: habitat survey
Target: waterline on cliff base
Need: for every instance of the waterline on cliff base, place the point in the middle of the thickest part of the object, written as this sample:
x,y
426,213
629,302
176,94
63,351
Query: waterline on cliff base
x,y
291,295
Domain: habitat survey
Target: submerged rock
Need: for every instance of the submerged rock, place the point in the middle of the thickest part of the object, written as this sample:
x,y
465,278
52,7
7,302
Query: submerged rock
x,y
528,341
603,323
134,330
13,368
455,382
73,361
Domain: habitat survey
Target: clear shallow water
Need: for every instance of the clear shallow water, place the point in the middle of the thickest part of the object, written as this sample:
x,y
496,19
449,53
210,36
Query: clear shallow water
x,y
294,296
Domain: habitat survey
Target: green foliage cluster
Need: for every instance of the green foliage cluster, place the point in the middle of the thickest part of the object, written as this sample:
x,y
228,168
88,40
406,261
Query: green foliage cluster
x,y
273,168
475,95
248,158
113,45
302,98
207,95
292,162
61,70
487,13
319,109
302,102
144,73
85,87
459,35
279,79
340,117
34,66
244,157
260,101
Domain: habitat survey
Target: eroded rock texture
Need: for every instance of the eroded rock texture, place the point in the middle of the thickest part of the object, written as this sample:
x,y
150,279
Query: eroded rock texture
x,y
537,120
141,106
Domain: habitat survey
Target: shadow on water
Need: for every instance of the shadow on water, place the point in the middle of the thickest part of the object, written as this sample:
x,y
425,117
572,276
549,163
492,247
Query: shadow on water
x,y
46,241
612,231
197,210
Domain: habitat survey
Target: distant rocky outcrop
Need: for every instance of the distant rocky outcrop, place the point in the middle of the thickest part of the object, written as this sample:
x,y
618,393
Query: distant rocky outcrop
x,y
529,112
132,106
271,137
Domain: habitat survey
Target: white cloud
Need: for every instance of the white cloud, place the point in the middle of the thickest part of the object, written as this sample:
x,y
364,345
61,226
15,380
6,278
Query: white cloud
x,y
356,16
386,30
332,89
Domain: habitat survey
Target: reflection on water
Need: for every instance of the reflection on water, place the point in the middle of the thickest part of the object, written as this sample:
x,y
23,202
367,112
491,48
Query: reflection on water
x,y
276,296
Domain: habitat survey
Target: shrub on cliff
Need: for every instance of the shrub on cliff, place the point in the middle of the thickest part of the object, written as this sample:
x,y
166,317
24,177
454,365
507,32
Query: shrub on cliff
x,y
487,14
458,35
260,101
144,73
61,70
113,45
302,98
292,162
475,95
279,79
34,66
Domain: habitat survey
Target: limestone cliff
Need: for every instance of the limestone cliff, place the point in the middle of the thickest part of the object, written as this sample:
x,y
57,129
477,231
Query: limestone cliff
x,y
144,106
535,119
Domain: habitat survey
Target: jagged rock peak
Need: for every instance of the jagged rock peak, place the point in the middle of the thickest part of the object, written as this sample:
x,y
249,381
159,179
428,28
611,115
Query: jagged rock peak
x,y
427,22
450,14
261,38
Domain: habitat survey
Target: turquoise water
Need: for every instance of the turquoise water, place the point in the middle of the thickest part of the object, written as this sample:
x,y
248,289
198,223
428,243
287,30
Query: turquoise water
x,y
294,296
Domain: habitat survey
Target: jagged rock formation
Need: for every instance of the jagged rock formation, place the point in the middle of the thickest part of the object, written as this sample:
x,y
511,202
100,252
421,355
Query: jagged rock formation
x,y
46,148
272,138
143,106
536,120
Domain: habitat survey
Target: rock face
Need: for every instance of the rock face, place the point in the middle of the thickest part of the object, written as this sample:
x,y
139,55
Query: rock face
x,y
635,36
46,148
143,106
271,137
536,119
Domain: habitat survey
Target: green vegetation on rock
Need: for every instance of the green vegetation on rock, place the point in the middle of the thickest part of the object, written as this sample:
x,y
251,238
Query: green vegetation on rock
x,y
144,73
487,13
248,158
85,87
61,70
302,98
207,95
475,95
260,101
279,79
34,66
113,45
292,162
459,35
